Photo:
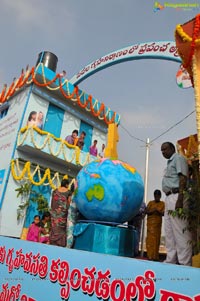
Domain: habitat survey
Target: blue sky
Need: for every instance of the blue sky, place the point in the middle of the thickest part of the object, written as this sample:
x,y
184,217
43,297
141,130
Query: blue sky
x,y
144,92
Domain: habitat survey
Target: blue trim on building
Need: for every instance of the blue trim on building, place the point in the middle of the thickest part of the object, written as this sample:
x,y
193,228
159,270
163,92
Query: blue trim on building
x,y
49,75
69,109
15,145
41,58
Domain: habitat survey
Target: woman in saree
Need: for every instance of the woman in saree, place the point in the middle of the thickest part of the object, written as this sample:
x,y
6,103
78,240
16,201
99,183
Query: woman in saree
x,y
155,211
60,203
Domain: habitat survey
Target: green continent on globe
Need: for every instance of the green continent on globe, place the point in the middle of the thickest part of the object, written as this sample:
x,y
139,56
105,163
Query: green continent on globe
x,y
97,191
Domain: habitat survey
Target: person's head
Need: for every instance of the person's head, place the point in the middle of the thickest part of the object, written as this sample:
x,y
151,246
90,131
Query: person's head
x,y
46,216
83,134
65,183
32,116
40,116
95,142
103,146
168,149
75,134
157,195
36,219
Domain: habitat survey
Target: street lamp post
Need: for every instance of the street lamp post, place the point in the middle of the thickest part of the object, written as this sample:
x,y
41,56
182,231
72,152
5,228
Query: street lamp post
x,y
145,192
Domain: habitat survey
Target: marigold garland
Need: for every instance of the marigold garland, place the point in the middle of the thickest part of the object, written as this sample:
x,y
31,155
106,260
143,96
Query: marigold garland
x,y
193,40
30,77
26,174
197,97
48,141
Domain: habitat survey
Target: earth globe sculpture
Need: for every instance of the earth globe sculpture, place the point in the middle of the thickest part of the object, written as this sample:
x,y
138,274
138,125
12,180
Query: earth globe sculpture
x,y
109,190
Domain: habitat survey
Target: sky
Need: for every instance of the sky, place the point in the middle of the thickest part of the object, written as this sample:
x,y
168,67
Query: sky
x,y
143,92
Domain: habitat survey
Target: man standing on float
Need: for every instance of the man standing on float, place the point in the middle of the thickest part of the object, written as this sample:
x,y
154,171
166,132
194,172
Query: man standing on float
x,y
173,184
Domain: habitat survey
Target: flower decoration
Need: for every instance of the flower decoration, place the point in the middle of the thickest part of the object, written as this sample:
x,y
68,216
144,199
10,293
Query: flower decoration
x,y
63,146
28,173
97,109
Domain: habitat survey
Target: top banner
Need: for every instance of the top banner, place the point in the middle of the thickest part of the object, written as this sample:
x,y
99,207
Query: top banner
x,y
164,50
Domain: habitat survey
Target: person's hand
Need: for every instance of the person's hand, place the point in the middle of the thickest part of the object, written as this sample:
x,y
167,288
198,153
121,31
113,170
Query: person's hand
x,y
179,202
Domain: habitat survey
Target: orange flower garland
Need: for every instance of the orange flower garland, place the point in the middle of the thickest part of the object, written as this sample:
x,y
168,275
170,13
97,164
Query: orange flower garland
x,y
45,84
66,95
193,41
194,38
30,76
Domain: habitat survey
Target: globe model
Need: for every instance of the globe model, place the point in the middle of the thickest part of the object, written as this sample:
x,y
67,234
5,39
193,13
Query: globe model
x,y
109,190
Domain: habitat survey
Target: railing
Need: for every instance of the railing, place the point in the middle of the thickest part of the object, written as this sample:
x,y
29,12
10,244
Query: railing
x,y
57,147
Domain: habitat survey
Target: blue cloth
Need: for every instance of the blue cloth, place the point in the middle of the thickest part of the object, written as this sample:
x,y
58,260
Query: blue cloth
x,y
104,239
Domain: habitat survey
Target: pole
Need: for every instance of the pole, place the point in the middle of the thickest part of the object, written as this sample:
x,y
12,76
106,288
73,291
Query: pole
x,y
145,193
196,78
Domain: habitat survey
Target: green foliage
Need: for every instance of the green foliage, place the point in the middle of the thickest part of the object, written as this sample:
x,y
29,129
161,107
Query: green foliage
x,y
23,190
192,212
27,194
42,203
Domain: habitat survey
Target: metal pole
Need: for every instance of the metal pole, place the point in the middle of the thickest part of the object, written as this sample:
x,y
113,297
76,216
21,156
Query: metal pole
x,y
145,193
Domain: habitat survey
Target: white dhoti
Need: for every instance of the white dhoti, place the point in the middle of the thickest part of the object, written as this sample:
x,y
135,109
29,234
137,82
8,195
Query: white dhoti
x,y
177,239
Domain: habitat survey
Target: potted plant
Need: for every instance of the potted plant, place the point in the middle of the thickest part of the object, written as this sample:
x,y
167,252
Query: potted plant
x,y
27,195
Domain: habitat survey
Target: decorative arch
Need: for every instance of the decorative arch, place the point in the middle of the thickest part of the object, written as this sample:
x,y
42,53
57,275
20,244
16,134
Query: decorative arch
x,y
162,50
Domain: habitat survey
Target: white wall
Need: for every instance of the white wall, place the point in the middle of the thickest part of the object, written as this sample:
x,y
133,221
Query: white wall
x,y
9,226
9,126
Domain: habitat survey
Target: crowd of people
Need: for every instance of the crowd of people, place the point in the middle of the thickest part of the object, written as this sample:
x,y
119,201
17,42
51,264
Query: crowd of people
x,y
175,183
73,139
37,119
52,228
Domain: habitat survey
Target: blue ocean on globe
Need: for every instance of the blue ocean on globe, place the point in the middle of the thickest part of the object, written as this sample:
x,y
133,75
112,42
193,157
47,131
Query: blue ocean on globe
x,y
109,190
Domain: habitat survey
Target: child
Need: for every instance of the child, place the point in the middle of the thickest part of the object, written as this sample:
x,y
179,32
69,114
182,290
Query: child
x,y
80,143
34,230
45,225
102,153
93,149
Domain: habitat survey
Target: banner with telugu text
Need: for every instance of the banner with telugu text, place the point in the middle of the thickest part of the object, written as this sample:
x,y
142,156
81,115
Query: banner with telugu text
x,y
37,272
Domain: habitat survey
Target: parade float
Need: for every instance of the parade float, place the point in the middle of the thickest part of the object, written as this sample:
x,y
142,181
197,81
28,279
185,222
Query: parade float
x,y
187,38
38,154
